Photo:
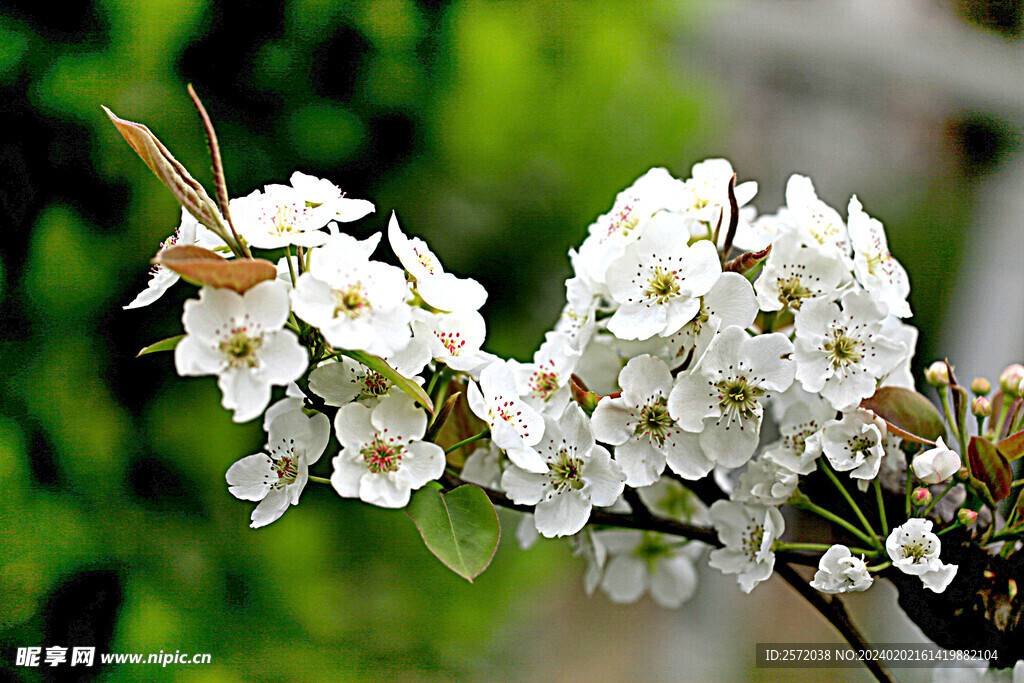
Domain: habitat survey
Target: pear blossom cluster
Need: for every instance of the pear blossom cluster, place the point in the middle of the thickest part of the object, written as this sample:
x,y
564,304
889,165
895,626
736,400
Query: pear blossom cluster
x,y
713,369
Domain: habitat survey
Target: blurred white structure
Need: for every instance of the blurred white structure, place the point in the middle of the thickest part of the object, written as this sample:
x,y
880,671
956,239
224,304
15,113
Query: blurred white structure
x,y
856,94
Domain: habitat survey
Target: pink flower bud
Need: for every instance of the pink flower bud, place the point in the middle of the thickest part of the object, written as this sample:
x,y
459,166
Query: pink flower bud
x,y
921,496
981,407
981,386
1009,380
967,517
962,473
937,374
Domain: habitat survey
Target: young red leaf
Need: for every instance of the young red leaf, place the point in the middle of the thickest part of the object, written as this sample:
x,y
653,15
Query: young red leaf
x,y
912,414
204,267
989,467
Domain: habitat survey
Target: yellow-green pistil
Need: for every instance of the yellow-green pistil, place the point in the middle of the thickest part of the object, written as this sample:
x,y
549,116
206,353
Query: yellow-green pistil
x,y
662,286
350,302
240,348
842,351
564,471
655,422
792,293
737,397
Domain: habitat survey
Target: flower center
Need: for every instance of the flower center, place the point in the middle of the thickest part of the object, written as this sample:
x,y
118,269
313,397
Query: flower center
x,y
791,292
842,350
915,551
651,549
752,539
623,221
287,469
452,341
544,384
375,384
382,457
240,348
737,398
655,423
663,285
285,219
425,260
350,302
564,471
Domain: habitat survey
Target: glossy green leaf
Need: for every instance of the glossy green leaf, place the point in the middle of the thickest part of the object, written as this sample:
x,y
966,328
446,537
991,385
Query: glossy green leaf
x,y
1012,447
459,527
204,267
913,415
162,345
381,367
989,467
182,185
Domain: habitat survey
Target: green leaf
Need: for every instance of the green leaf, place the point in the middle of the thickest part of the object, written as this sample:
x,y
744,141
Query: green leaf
x,y
459,527
162,345
182,185
989,467
913,416
381,367
1012,447
204,267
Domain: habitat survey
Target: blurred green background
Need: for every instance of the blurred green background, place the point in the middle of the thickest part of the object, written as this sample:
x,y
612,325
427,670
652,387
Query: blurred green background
x,y
498,131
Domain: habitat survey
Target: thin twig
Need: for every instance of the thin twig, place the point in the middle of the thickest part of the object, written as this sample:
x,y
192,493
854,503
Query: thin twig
x,y
835,611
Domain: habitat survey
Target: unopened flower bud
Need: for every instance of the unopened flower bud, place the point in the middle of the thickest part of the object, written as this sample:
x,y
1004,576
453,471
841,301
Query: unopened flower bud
x,y
962,473
967,517
1011,589
1009,380
981,386
921,496
981,407
937,374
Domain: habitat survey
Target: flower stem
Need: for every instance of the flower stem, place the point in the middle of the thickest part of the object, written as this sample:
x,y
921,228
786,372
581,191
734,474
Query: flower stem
x,y
1004,410
953,426
482,435
852,503
910,484
320,480
817,547
939,497
880,567
881,506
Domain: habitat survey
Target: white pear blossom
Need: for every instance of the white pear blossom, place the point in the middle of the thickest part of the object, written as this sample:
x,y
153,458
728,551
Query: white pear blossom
x,y
721,398
855,443
936,465
842,353
240,338
914,550
279,217
357,304
748,533
277,476
577,322
668,498
799,443
454,339
654,192
730,301
638,424
580,474
840,572
794,274
515,427
816,222
382,458
641,562
706,195
877,269
341,382
161,278
658,280
765,482
438,288
544,383
328,197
